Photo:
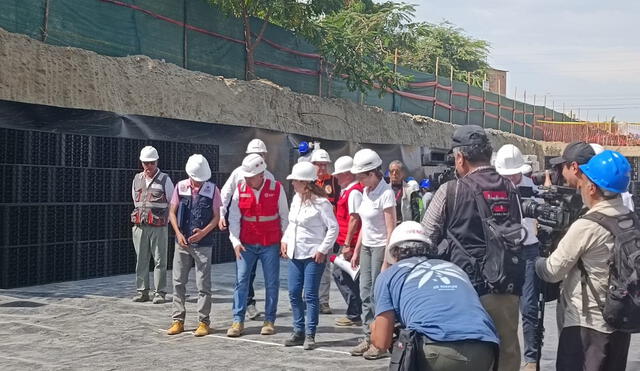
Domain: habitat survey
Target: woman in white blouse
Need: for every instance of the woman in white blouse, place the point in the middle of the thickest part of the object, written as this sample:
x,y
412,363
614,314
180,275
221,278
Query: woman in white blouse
x,y
378,214
311,233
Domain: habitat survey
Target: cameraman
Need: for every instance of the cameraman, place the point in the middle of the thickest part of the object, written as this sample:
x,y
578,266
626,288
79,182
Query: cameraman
x,y
586,341
453,214
510,164
574,155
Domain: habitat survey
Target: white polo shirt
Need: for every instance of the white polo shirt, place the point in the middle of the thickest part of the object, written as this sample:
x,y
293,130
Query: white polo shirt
x,y
371,210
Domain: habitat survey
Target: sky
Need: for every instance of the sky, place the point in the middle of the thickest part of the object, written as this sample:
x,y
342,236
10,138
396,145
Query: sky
x,y
583,55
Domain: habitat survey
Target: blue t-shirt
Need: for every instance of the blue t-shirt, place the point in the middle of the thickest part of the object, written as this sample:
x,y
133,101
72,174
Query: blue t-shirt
x,y
437,301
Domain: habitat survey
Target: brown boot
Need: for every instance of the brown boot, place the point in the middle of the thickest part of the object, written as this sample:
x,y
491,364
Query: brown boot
x,y
202,330
176,328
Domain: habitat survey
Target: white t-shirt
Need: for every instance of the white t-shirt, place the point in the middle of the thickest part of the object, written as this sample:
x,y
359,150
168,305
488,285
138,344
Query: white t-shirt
x,y
355,198
231,185
371,210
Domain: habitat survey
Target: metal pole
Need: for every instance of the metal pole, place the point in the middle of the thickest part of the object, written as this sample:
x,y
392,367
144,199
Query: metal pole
x,y
435,89
45,21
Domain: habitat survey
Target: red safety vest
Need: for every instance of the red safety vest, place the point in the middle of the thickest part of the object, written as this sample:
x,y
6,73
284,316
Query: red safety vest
x,y
342,215
260,222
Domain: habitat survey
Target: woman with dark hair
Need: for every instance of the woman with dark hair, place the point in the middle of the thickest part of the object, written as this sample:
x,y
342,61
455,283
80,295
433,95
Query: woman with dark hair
x,y
311,233
378,214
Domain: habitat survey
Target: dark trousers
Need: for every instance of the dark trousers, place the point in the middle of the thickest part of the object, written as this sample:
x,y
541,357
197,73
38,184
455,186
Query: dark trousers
x,y
350,291
252,293
585,349
529,303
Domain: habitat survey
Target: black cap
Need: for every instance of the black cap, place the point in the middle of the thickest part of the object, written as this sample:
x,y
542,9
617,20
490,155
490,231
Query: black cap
x,y
580,152
469,135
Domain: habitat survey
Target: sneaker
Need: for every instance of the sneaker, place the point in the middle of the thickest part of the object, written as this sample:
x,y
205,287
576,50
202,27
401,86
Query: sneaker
x,y
309,342
296,338
268,328
325,308
235,330
176,328
252,312
529,366
141,297
159,298
359,349
346,322
375,353
202,330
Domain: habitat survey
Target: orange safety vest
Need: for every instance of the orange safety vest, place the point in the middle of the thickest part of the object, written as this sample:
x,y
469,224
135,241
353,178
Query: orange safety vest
x,y
260,221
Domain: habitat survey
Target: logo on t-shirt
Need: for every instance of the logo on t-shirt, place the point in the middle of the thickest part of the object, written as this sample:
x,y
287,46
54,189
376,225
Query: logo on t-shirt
x,y
443,276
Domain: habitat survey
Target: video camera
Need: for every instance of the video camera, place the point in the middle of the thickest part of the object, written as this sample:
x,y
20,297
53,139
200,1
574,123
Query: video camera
x,y
561,206
441,158
555,173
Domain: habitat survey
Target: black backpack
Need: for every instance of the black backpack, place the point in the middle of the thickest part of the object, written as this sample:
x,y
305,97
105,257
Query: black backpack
x,y
503,264
621,308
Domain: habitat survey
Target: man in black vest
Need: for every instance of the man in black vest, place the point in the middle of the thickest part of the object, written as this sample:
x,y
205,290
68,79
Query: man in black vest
x,y
453,214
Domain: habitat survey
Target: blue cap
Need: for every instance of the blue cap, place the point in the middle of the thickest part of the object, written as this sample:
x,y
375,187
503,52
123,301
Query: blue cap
x,y
425,183
303,148
608,170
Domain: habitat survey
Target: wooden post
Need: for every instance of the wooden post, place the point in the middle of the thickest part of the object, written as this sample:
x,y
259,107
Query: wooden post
x,y
320,77
513,114
395,70
185,47
467,119
45,21
484,103
451,96
435,89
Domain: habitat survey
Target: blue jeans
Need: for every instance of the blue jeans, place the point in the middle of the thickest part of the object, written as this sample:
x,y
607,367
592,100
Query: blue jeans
x,y
529,303
269,256
305,273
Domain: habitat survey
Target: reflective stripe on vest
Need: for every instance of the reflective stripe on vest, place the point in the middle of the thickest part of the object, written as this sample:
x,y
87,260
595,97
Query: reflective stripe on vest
x,y
260,218
151,207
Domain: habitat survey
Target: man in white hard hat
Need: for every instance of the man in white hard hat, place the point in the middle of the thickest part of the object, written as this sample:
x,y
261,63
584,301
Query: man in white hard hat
x,y
510,164
258,216
349,229
150,191
194,215
627,197
321,160
256,146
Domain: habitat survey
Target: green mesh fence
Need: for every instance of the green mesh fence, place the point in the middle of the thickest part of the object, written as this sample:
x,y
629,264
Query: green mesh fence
x,y
194,35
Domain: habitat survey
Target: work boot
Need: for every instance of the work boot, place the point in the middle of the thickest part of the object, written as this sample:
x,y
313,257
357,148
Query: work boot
x,y
296,338
359,349
202,330
176,328
346,322
159,298
309,342
325,308
529,366
375,353
235,330
141,297
252,312
268,328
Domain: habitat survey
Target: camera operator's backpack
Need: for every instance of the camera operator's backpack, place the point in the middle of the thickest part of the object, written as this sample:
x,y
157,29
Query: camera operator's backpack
x,y
503,265
621,309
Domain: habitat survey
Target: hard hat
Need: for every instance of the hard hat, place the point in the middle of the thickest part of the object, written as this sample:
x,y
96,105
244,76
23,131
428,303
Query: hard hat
x,y
425,183
526,169
413,185
320,155
303,148
256,146
598,149
252,165
609,170
410,178
509,160
148,154
303,171
343,165
406,231
198,168
365,160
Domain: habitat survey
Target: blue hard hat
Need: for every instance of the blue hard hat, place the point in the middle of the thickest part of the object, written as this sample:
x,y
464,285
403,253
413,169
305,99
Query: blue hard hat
x,y
303,148
425,183
609,170
386,174
410,178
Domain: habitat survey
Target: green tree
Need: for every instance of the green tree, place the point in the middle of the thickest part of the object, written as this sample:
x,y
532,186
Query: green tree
x,y
452,47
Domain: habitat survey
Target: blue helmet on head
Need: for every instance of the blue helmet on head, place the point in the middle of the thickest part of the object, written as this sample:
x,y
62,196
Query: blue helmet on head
x,y
303,148
608,170
425,183
409,178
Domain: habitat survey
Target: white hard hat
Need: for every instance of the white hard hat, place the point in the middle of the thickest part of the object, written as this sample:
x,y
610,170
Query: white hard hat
x,y
526,169
365,160
253,165
598,149
303,171
509,160
406,231
343,165
148,154
256,146
320,155
413,186
198,168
